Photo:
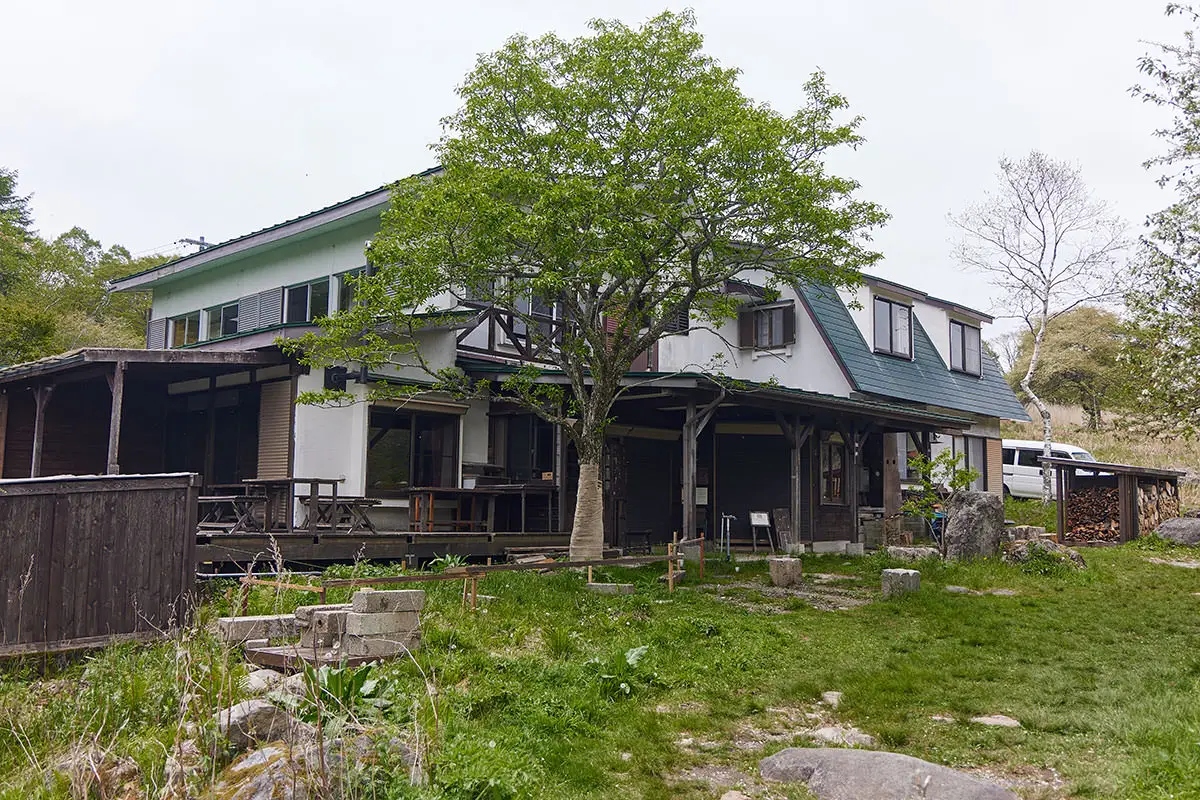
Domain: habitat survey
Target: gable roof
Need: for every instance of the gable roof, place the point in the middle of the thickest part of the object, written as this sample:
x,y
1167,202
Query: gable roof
x,y
359,206
924,379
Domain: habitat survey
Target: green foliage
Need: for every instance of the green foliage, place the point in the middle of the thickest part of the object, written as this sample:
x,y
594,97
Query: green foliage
x,y
1079,363
937,477
1031,512
338,692
447,561
619,676
53,292
1165,340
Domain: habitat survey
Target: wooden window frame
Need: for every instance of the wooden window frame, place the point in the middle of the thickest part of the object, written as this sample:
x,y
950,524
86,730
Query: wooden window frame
x,y
891,350
961,333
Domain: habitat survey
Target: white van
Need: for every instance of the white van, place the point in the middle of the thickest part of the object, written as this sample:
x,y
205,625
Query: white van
x,y
1023,470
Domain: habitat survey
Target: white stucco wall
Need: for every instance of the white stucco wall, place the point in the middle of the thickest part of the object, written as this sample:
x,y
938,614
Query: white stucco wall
x,y
807,364
327,253
331,442
475,432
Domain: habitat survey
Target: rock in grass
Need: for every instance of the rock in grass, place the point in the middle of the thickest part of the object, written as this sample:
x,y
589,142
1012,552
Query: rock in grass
x,y
997,721
839,734
831,699
1022,552
896,582
837,774
261,681
974,525
913,553
257,721
1184,531
785,571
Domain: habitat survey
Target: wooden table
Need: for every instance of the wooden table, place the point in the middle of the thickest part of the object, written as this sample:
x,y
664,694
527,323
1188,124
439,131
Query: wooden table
x,y
232,513
332,510
421,504
273,488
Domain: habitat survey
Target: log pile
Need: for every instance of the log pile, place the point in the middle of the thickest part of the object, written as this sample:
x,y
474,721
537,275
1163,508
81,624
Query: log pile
x,y
1093,515
1157,501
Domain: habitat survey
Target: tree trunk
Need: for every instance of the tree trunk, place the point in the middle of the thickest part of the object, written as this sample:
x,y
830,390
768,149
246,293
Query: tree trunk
x,y
587,532
1043,410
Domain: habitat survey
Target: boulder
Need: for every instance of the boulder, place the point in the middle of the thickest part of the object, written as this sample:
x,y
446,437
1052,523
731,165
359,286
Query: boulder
x,y
896,582
294,772
785,571
1184,531
839,774
261,681
913,553
255,721
974,525
1021,552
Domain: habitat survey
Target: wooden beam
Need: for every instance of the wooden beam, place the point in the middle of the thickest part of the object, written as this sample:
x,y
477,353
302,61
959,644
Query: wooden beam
x,y
41,396
116,386
690,432
796,474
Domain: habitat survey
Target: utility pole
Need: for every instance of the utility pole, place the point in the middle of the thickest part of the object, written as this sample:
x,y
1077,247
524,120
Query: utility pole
x,y
203,245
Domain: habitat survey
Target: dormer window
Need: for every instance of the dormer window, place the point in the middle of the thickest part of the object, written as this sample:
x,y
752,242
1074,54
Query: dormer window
x,y
965,353
767,327
893,328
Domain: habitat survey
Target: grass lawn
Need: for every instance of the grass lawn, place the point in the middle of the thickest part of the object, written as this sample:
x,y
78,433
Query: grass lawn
x,y
535,696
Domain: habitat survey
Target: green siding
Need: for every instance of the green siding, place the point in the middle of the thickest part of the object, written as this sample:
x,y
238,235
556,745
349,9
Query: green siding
x,y
925,379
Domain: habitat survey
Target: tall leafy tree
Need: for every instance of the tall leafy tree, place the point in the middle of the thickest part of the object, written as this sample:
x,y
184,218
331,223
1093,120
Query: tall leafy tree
x,y
1080,363
623,177
1164,352
1049,246
16,232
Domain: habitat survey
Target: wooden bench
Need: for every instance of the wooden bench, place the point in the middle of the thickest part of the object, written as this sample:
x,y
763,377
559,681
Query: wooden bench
x,y
348,510
231,513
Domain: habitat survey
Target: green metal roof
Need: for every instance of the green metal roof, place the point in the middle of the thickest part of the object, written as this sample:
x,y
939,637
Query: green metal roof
x,y
923,379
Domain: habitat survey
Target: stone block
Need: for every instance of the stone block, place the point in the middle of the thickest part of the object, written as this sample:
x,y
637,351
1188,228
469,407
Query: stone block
x,y
835,546
325,629
369,601
896,582
380,647
1017,533
855,548
304,614
381,623
241,629
785,571
610,588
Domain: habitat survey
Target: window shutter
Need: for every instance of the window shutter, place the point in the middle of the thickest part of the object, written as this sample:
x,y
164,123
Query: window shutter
x,y
247,313
610,323
680,321
789,324
156,334
746,329
270,308
275,430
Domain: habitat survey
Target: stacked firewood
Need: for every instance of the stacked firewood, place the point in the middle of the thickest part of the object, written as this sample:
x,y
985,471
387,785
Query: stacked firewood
x,y
1157,501
1093,514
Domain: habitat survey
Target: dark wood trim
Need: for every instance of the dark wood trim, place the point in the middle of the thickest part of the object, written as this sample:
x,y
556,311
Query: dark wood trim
x,y
41,396
116,386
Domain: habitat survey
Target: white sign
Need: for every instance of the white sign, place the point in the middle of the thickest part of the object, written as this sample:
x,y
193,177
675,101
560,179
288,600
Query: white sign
x,y
759,518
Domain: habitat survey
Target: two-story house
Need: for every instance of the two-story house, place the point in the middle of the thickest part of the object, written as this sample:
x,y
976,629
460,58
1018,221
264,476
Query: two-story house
x,y
833,391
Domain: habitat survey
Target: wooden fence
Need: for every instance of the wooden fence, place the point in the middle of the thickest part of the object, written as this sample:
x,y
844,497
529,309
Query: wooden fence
x,y
87,559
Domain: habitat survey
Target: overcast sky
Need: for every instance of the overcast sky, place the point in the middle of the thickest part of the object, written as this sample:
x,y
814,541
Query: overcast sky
x,y
148,122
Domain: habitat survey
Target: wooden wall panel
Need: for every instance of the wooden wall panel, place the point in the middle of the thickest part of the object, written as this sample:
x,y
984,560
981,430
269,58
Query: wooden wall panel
x,y
995,466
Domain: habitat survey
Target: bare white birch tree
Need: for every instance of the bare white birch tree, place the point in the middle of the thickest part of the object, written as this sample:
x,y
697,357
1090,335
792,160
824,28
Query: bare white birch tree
x,y
1048,245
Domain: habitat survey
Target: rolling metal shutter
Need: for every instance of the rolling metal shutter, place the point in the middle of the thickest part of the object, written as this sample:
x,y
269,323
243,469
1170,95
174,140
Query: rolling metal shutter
x,y
156,334
275,430
995,466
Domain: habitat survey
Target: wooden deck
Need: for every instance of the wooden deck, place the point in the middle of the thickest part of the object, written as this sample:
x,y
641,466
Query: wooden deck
x,y
382,546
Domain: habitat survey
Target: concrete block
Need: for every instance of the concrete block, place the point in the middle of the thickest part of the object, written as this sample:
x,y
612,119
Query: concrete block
x,y
835,546
304,614
325,628
241,629
855,548
900,581
383,647
611,588
785,571
369,601
381,623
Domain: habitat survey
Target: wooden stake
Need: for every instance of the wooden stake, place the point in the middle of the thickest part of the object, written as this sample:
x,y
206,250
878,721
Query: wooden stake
x,y
701,558
671,568
590,575
474,588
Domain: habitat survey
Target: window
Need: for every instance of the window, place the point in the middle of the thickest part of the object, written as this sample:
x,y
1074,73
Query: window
x,y
411,449
893,328
185,329
347,288
222,321
908,447
1007,454
307,301
768,327
1029,458
833,469
965,353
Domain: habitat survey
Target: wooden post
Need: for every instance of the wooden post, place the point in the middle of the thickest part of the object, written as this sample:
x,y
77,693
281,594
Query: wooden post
x,y
41,397
1127,504
1061,508
474,591
116,386
689,470
891,485
671,568
701,558
590,575
853,477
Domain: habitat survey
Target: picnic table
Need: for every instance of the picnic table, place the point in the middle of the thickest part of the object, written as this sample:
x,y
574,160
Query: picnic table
x,y
470,502
336,511
232,513
280,497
